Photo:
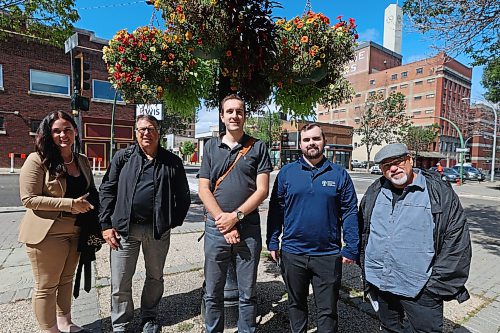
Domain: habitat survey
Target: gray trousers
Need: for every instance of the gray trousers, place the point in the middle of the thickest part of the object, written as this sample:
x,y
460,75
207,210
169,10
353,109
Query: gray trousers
x,y
245,255
123,264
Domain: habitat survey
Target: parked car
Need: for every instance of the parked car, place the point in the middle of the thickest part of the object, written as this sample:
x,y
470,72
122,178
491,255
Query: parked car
x,y
375,170
357,164
449,174
471,173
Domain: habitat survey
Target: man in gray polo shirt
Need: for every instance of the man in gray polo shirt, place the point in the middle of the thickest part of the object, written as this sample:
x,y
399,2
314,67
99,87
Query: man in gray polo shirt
x,y
232,230
415,244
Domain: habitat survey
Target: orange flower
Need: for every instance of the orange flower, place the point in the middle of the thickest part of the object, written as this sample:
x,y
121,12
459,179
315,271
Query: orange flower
x,y
304,39
288,27
300,25
310,20
189,35
318,64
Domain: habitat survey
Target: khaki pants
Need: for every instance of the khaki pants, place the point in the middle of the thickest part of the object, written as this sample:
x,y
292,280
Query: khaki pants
x,y
54,262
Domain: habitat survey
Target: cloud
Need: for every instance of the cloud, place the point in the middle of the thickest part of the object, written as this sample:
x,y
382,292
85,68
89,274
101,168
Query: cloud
x,y
205,120
371,34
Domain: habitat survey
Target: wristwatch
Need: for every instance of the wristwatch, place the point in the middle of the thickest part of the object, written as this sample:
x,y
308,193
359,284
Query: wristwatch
x,y
240,215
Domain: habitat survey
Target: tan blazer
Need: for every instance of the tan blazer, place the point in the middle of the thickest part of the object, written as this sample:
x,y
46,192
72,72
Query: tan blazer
x,y
43,196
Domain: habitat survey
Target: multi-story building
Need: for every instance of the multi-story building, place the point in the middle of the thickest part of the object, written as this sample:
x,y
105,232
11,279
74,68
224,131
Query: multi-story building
x,y
434,87
35,78
480,136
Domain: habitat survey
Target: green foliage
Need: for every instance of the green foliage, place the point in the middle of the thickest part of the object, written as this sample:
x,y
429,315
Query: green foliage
x,y
187,148
418,138
383,120
491,80
46,19
258,127
459,26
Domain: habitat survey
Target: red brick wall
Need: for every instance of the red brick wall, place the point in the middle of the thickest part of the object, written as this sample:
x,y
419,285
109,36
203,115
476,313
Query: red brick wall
x,y
18,55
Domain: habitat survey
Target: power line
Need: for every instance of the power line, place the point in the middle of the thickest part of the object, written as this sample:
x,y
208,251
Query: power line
x,y
111,5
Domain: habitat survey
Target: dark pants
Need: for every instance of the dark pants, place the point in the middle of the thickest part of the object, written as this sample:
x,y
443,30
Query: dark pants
x,y
245,255
325,274
424,313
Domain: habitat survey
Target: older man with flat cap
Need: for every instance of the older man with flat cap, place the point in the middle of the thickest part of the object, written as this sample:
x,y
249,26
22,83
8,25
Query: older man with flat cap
x,y
415,244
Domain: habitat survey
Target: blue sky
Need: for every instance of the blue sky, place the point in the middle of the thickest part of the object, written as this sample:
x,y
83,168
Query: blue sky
x,y
106,17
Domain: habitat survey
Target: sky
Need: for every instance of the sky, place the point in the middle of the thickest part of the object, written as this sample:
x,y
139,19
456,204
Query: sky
x,y
106,17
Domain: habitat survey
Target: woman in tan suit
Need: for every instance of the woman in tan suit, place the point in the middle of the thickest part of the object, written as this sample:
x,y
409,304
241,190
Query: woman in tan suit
x,y
54,185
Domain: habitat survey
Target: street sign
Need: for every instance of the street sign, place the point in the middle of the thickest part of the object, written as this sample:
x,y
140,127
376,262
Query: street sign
x,y
462,150
155,110
71,42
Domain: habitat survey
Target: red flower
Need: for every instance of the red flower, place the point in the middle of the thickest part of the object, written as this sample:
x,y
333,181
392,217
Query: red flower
x,y
171,56
284,41
117,75
143,57
339,17
179,9
118,67
138,79
200,41
229,53
351,21
356,36
121,49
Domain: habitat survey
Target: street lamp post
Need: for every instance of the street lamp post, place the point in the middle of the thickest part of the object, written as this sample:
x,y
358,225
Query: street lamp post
x,y
462,144
493,157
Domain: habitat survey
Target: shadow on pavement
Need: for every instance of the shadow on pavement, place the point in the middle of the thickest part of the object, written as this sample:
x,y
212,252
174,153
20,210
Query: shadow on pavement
x,y
484,226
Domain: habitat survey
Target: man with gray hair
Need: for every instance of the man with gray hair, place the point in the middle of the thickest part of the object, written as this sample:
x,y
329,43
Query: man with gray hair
x,y
143,195
415,244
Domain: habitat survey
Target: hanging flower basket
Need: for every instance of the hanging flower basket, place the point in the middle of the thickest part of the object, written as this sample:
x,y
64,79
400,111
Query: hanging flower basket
x,y
149,65
311,58
205,23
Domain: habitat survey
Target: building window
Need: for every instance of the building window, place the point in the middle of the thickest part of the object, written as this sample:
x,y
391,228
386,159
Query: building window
x,y
2,124
103,90
394,76
429,111
1,77
321,113
372,82
371,93
417,98
404,74
335,111
420,70
430,96
343,110
34,124
403,86
358,95
418,83
393,88
416,113
357,108
49,83
430,80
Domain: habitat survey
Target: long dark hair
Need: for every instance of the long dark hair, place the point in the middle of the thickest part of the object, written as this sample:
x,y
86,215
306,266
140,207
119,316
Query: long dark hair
x,y
47,149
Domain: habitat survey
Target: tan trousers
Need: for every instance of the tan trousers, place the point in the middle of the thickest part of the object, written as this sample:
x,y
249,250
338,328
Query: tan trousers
x,y
54,262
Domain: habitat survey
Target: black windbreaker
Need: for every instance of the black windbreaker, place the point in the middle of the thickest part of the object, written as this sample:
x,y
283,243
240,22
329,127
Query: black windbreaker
x,y
172,197
452,245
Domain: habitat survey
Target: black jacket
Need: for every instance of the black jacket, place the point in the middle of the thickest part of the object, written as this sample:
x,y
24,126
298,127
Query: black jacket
x,y
452,245
172,197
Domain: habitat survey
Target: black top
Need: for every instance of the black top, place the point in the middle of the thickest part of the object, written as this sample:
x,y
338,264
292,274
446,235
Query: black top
x,y
241,182
143,201
75,186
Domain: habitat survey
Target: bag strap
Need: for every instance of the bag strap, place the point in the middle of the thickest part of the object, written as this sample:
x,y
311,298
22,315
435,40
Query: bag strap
x,y
242,152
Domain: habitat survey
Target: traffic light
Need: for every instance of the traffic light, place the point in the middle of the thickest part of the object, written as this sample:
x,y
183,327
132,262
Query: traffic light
x,y
81,76
79,102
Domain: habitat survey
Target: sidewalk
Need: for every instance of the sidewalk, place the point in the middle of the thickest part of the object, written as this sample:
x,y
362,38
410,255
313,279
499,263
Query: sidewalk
x,y
180,306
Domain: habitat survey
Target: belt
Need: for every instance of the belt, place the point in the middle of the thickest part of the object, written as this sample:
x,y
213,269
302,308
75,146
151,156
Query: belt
x,y
67,214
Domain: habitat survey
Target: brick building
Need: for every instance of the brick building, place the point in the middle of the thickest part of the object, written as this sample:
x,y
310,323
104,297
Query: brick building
x,y
480,137
35,78
435,87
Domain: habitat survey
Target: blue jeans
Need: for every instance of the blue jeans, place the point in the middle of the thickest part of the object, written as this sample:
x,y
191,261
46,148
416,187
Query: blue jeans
x,y
123,264
245,255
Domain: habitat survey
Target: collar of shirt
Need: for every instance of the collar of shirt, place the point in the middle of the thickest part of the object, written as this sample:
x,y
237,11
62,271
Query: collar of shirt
x,y
242,141
322,165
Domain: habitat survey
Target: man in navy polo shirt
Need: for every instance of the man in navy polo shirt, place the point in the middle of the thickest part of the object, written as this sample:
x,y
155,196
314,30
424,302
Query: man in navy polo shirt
x,y
313,200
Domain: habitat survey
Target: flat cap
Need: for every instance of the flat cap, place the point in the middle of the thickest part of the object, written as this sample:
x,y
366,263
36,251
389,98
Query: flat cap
x,y
390,151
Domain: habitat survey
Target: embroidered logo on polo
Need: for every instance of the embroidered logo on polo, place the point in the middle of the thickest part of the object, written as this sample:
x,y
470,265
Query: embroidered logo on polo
x,y
328,183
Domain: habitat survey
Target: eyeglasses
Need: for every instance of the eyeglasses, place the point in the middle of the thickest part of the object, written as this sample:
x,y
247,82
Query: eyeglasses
x,y
397,162
143,130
